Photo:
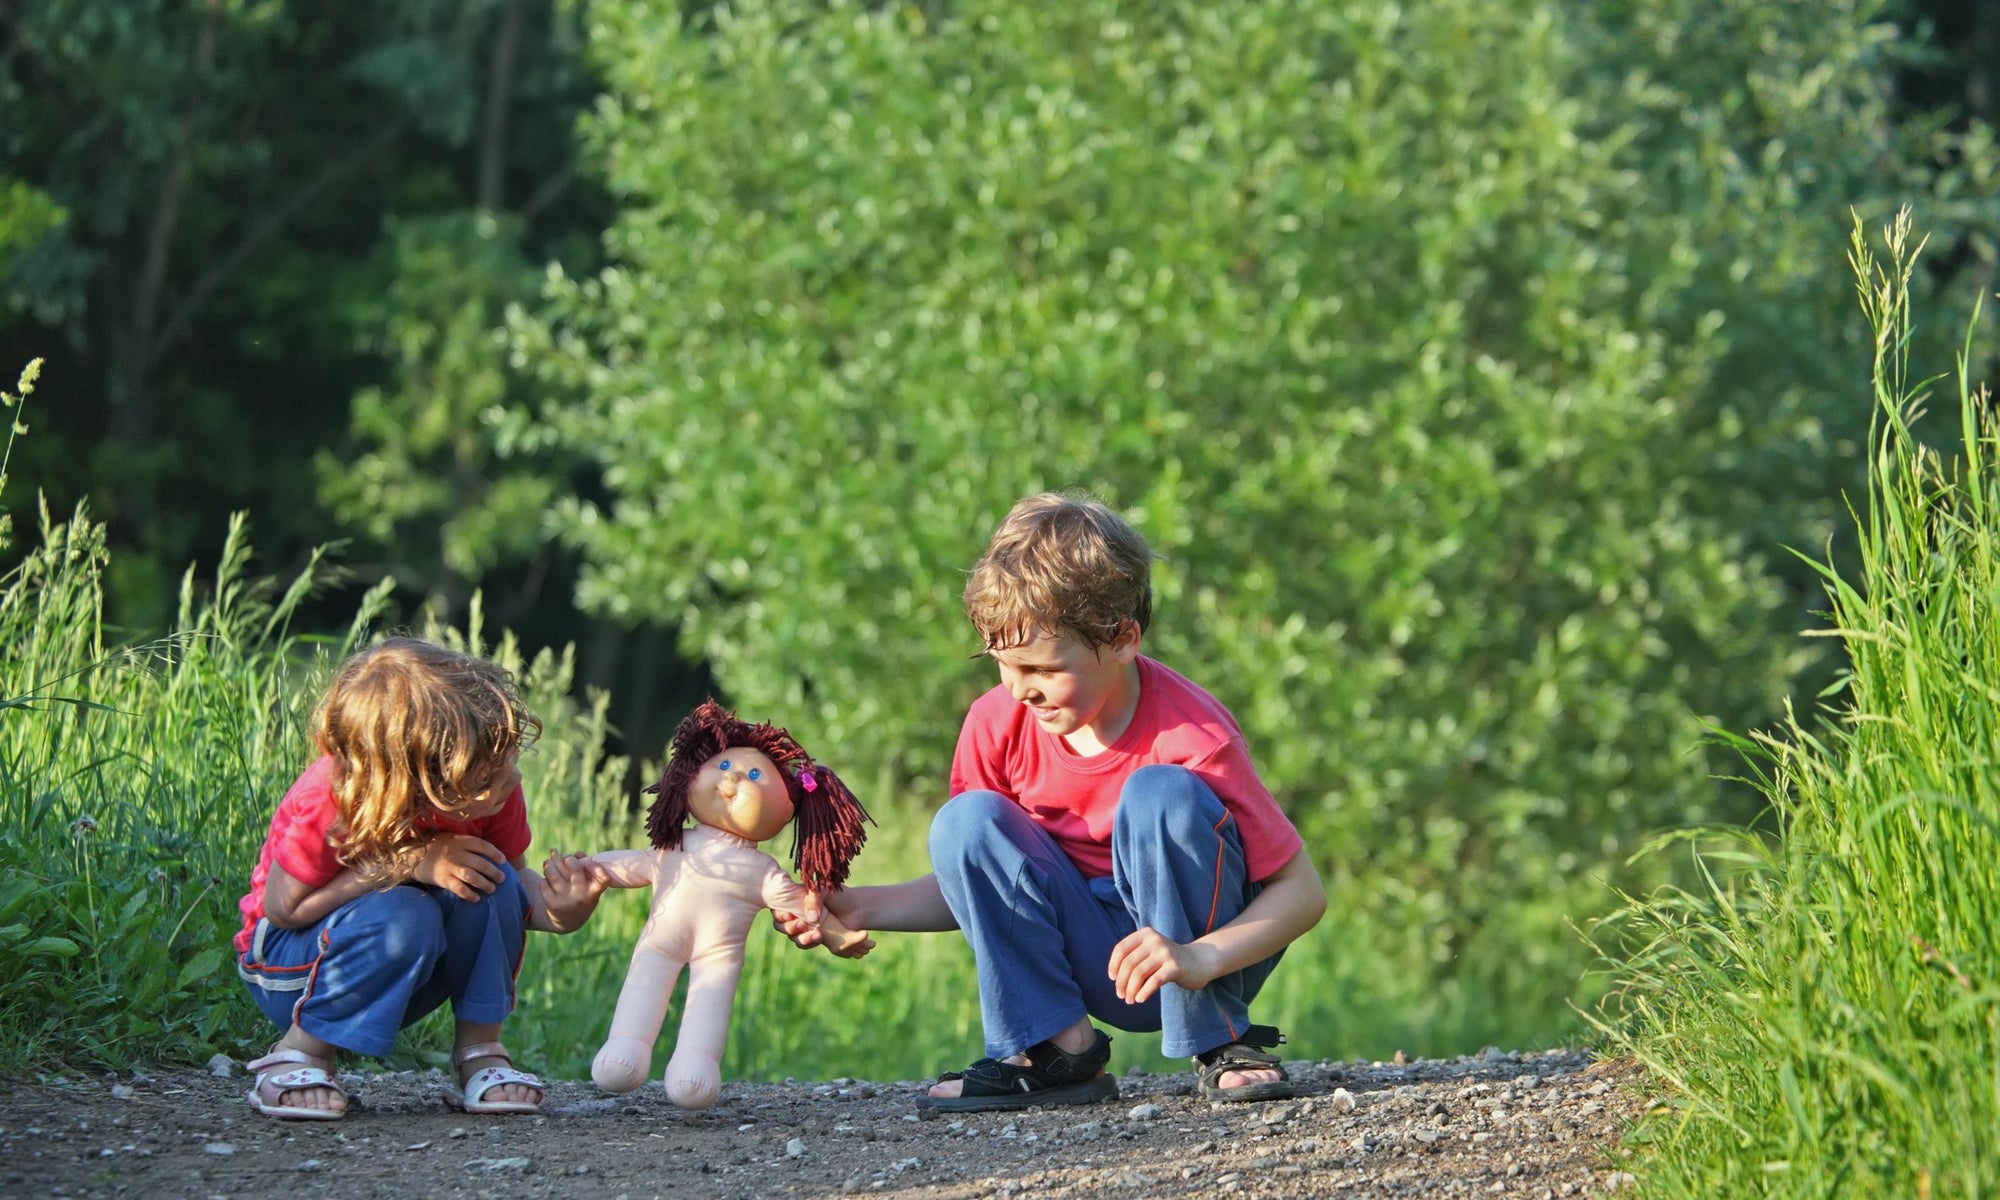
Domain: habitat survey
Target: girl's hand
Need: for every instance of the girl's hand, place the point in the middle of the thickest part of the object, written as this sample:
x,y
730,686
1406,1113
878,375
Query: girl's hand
x,y
571,887
466,866
1147,958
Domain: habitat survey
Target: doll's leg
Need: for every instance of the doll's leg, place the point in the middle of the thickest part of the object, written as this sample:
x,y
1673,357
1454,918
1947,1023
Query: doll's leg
x,y
626,1057
694,1074
1041,934
1177,858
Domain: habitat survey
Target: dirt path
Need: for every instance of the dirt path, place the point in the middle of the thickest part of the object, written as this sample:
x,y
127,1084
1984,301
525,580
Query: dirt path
x,y
1536,1125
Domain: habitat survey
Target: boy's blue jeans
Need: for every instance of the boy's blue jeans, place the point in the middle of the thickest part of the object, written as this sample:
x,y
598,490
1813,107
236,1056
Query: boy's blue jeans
x,y
382,961
1042,934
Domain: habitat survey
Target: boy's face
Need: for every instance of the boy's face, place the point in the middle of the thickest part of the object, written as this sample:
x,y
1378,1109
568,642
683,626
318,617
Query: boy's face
x,y
1071,688
743,792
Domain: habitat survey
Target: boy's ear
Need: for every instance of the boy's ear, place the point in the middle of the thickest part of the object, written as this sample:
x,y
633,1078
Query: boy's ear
x,y
1125,647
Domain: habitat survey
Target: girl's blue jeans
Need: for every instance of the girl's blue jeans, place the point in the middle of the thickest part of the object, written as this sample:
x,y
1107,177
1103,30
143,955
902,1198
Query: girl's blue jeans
x,y
382,961
1042,933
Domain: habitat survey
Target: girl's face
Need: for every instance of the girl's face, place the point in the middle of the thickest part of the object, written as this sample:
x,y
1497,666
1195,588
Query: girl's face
x,y
741,791
485,791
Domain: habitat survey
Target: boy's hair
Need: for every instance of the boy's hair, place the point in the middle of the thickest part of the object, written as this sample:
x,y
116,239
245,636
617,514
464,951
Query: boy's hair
x,y
826,818
1061,562
413,728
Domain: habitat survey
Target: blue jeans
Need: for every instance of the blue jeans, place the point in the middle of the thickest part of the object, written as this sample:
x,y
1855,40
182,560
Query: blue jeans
x,y
1042,934
382,961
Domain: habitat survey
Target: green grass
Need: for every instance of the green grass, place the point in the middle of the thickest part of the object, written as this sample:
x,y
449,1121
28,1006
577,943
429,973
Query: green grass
x,y
1823,1007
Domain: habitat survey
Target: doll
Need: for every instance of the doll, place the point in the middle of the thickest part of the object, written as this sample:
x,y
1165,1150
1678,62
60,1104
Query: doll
x,y
741,783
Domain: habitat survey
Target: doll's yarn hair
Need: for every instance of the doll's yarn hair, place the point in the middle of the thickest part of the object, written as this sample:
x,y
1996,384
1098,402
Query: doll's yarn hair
x,y
827,820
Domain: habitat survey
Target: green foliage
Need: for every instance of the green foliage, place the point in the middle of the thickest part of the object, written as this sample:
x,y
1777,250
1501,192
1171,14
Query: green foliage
x,y
423,478
1466,365
1826,1010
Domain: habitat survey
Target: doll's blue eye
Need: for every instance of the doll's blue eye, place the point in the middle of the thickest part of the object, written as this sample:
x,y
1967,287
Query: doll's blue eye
x,y
723,765
756,773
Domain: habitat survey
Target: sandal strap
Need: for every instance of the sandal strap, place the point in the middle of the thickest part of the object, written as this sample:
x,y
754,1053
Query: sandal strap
x,y
1247,1053
465,1054
284,1054
488,1078
1048,1067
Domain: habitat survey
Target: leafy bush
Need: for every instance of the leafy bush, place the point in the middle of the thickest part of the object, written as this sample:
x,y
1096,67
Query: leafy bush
x,y
1823,1009
1466,364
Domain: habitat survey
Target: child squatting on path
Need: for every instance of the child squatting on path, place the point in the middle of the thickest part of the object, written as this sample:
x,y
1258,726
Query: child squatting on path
x,y
392,881
1108,849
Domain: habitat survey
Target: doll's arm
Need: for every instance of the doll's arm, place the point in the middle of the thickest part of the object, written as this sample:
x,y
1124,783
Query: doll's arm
x,y
628,868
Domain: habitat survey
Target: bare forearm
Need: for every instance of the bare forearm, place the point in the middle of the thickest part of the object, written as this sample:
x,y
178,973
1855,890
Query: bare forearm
x,y
290,906
1292,902
914,906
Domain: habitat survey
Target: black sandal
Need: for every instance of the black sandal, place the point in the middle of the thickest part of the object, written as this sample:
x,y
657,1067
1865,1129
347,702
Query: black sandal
x,y
1247,1053
1051,1076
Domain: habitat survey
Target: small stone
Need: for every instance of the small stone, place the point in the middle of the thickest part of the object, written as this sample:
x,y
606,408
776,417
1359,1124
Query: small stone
x,y
221,1066
223,1148
1402,1059
310,1166
120,1092
1343,1100
523,1164
795,1148
1144,1112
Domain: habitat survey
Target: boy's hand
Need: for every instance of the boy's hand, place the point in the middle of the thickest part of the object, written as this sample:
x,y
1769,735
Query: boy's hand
x,y
1147,958
803,927
466,866
571,887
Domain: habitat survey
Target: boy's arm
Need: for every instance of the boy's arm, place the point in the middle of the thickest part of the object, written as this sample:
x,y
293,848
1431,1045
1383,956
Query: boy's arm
x,y
913,906
1293,900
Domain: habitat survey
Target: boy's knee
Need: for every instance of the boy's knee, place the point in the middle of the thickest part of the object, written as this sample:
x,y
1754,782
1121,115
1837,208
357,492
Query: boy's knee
x,y
1163,795
963,821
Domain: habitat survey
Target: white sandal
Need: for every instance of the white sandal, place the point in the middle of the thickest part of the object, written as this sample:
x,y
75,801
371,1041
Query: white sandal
x,y
473,1100
263,1095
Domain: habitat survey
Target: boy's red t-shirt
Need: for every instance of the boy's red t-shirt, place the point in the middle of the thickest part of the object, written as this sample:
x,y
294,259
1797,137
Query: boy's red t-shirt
x,y
1001,748
297,840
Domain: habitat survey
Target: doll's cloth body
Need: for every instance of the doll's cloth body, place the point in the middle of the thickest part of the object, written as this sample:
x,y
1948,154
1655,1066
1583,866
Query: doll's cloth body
x,y
706,895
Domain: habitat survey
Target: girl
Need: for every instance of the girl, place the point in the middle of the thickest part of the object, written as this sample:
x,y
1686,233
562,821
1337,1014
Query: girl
x,y
392,880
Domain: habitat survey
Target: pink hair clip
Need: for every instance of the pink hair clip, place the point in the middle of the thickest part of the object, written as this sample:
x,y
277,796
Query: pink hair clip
x,y
806,781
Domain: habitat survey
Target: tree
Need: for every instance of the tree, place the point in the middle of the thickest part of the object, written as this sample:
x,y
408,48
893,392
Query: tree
x,y
1472,370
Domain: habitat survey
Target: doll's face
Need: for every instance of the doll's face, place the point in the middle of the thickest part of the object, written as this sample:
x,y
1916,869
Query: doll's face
x,y
741,791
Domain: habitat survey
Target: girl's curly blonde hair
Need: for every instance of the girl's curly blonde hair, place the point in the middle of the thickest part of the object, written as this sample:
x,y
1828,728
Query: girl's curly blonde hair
x,y
413,728
1060,563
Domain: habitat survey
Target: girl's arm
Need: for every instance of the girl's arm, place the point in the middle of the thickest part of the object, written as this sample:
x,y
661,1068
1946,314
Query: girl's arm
x,y
1292,902
562,897
466,866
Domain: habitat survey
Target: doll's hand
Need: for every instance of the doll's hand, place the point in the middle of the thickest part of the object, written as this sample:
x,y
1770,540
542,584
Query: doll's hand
x,y
466,866
1147,958
571,887
842,941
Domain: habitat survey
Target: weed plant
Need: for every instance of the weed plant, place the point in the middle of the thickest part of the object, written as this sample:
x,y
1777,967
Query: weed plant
x,y
1823,1008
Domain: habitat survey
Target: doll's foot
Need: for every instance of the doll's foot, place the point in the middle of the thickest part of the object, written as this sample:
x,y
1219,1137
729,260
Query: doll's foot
x,y
490,1082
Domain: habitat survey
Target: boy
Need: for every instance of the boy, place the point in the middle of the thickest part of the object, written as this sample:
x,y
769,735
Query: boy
x,y
1108,850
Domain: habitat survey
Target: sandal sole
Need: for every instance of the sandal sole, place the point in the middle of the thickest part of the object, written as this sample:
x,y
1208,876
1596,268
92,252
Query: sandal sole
x,y
1276,1089
1090,1091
